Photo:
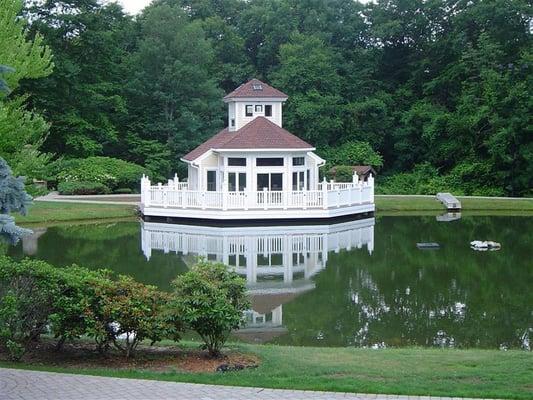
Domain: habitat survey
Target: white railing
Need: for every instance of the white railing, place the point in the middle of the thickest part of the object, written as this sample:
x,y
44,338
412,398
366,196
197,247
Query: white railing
x,y
330,195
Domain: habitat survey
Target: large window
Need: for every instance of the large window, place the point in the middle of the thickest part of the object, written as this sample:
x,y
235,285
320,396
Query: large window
x,y
269,162
212,181
249,111
237,161
298,161
272,182
268,110
298,180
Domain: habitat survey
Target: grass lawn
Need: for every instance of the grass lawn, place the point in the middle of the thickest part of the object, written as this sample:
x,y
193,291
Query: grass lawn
x,y
411,371
49,212
386,203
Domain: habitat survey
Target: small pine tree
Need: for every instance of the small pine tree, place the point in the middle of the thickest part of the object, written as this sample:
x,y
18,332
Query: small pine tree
x,y
13,198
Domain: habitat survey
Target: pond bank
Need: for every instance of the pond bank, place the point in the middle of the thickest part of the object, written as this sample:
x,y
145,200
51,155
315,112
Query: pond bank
x,y
409,371
60,209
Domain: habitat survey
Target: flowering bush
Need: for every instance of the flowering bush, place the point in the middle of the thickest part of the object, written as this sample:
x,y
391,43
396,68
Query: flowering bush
x,y
111,172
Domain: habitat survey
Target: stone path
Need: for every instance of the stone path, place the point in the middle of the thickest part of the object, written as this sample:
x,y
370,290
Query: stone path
x,y
35,385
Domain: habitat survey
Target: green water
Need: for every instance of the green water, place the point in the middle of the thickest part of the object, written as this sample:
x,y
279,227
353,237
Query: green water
x,y
395,295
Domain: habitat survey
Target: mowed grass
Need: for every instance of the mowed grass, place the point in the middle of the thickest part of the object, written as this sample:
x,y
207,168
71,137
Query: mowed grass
x,y
385,203
50,212
409,371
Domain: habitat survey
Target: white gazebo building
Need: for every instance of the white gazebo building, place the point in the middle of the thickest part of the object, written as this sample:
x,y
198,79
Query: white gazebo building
x,y
255,170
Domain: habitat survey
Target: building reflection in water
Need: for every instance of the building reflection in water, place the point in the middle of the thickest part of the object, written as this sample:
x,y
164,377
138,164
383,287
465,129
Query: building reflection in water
x,y
278,262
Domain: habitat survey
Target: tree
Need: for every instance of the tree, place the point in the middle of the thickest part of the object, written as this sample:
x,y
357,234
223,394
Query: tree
x,y
174,99
308,75
13,198
83,98
22,132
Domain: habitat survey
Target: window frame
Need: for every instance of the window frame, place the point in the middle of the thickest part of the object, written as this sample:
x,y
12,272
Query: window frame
x,y
262,163
299,158
249,113
237,164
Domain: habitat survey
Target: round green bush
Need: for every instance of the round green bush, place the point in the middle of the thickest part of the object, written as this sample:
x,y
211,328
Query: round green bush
x,y
82,188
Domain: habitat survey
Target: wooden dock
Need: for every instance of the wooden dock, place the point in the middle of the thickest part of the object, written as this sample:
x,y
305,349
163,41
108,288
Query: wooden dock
x,y
449,201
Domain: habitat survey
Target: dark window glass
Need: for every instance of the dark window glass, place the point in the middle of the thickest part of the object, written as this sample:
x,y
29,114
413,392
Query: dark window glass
x,y
262,181
269,162
268,110
231,181
242,181
295,181
308,178
232,122
298,160
276,181
258,108
237,162
211,181
249,110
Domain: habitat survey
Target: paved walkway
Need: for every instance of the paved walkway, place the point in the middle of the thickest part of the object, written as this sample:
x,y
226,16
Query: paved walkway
x,y
34,385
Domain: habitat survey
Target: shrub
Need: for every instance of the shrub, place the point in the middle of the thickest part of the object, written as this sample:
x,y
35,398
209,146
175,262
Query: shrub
x,y
123,191
111,172
210,300
82,188
29,294
69,318
133,313
353,153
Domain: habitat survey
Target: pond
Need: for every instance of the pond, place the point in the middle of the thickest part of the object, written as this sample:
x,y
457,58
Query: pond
x,y
362,283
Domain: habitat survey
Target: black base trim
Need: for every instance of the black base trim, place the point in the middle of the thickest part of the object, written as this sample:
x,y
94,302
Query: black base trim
x,y
258,222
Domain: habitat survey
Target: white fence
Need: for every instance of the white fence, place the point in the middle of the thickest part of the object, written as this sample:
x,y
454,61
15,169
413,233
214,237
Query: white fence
x,y
330,195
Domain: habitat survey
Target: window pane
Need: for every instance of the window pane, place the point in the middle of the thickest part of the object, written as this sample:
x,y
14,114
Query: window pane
x,y
308,179
258,108
301,182
249,110
298,161
231,181
268,110
242,182
211,181
269,162
237,162
276,181
262,181
295,181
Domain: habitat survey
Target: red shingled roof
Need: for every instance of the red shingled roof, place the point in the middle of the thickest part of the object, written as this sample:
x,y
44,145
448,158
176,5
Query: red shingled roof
x,y
251,89
260,133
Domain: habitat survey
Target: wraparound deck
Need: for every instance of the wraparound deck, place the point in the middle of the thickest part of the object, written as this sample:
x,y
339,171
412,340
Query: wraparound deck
x,y
331,199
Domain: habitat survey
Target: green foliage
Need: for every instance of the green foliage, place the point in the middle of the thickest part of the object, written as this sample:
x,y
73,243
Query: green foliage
x,y
110,172
125,313
22,131
210,299
446,83
353,153
82,188
472,179
13,199
29,291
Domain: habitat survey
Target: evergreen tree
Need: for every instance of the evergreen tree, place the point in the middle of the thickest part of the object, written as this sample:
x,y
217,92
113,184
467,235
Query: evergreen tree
x,y
13,198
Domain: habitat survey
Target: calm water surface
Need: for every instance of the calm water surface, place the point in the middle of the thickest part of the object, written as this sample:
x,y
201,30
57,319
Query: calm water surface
x,y
362,283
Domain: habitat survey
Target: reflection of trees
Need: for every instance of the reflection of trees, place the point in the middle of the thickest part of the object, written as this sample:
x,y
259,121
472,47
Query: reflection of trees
x,y
400,295
112,246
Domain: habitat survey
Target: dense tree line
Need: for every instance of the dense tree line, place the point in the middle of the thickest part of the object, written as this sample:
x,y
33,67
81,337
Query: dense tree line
x,y
440,89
